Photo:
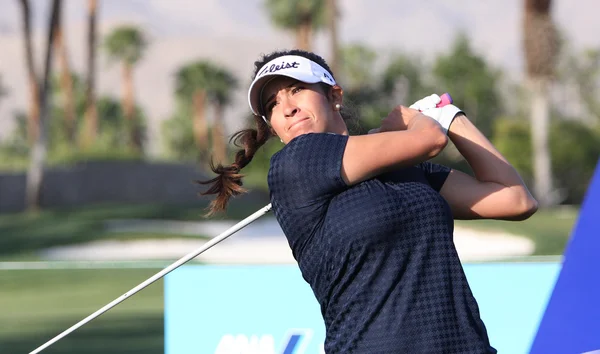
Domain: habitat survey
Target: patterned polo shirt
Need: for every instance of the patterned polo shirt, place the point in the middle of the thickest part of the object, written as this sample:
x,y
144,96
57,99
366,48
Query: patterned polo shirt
x,y
379,255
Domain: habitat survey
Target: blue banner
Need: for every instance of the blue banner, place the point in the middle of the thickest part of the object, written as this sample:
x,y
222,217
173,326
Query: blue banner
x,y
241,309
271,309
571,323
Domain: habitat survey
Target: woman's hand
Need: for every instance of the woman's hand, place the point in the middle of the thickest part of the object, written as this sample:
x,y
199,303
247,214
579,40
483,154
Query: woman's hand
x,y
398,119
443,113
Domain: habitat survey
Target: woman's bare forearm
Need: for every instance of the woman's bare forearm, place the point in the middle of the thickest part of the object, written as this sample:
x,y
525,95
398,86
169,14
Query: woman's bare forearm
x,y
485,160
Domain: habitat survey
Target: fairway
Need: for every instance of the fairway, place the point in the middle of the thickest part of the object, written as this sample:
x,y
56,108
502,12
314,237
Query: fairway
x,y
39,304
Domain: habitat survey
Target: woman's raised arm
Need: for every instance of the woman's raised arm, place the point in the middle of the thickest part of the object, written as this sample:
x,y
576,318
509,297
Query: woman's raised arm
x,y
406,137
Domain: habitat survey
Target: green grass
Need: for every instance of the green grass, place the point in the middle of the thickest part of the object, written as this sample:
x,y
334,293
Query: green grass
x,y
550,229
37,305
21,234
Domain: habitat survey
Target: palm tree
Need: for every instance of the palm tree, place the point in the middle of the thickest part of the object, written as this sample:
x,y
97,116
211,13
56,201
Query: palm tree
x,y
191,86
66,82
127,44
300,16
35,172
91,112
196,83
34,108
540,45
221,86
332,19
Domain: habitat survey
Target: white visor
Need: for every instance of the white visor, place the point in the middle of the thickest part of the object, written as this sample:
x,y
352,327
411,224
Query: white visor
x,y
297,67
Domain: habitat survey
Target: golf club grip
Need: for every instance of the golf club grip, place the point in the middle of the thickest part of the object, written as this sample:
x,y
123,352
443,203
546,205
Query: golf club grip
x,y
446,99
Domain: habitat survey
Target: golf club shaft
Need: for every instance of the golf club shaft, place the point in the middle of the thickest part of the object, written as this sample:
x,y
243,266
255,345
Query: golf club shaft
x,y
159,275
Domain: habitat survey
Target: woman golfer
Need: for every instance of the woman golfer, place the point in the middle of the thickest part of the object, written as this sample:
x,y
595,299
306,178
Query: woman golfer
x,y
368,219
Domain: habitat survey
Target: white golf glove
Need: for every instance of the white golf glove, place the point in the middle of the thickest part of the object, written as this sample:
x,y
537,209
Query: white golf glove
x,y
443,115
426,103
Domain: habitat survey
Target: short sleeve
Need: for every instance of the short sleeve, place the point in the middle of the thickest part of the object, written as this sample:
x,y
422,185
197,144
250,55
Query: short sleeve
x,y
436,174
307,170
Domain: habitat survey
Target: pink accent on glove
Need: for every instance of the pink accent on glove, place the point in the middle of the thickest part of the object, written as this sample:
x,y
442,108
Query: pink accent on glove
x,y
445,99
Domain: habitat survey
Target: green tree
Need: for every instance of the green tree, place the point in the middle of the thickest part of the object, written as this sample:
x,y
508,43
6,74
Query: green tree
x,y
359,82
333,15
512,137
35,172
196,84
112,140
255,174
302,17
471,82
357,66
192,83
113,122
33,115
66,82
90,130
583,71
540,46
60,120
127,45
404,80
574,149
221,86
179,137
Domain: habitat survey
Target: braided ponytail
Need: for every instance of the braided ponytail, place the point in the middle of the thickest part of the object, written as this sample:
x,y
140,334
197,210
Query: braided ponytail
x,y
228,183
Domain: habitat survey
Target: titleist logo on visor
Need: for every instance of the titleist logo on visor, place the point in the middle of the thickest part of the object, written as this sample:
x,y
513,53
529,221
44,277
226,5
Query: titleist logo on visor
x,y
274,67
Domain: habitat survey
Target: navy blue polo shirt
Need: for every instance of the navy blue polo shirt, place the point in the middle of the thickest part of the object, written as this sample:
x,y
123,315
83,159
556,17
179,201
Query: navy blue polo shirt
x,y
378,255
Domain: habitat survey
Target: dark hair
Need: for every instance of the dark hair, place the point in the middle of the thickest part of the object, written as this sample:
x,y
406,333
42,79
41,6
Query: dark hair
x,y
228,183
